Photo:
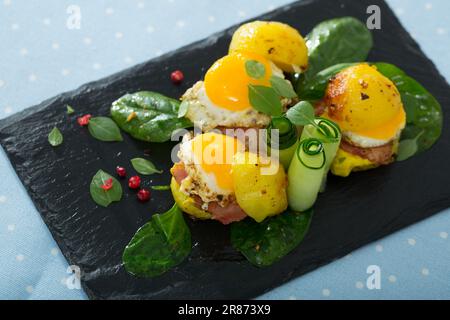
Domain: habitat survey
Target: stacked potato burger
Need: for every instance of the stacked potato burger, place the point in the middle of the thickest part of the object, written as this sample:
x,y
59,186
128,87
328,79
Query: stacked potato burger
x,y
368,108
235,188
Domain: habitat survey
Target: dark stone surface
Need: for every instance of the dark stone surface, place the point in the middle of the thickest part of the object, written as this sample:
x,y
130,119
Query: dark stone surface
x,y
353,212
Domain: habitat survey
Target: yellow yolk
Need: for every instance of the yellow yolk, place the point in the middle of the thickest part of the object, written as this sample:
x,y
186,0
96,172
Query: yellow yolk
x,y
214,153
363,101
226,83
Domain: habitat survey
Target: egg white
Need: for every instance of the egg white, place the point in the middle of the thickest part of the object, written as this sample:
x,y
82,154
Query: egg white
x,y
367,142
198,181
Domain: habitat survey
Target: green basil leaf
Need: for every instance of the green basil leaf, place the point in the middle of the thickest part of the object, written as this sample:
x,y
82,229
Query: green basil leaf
x,y
55,137
283,87
263,244
265,100
104,129
156,116
337,41
184,108
70,110
255,69
159,245
144,166
315,87
160,188
302,114
423,111
102,197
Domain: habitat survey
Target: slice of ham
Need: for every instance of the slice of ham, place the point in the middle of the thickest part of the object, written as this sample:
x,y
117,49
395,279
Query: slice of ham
x,y
231,213
383,155
226,215
179,173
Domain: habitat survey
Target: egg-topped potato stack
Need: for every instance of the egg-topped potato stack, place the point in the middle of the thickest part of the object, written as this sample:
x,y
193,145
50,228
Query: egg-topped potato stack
x,y
368,108
217,179
222,99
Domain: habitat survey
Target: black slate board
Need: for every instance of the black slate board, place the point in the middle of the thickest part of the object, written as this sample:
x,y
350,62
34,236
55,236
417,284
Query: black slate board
x,y
352,213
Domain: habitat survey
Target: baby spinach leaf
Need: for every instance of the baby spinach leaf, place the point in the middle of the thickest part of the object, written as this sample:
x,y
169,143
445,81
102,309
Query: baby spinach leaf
x,y
265,243
265,100
302,114
104,129
55,137
423,111
144,166
283,87
337,41
255,69
101,196
159,245
155,119
315,87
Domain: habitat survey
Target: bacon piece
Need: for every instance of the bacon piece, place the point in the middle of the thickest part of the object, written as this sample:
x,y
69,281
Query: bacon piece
x,y
226,215
383,155
178,172
231,213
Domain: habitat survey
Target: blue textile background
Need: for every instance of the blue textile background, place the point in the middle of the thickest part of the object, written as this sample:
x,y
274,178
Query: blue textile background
x,y
41,57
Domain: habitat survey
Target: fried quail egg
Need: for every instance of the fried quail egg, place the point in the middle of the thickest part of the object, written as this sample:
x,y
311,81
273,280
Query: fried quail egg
x,y
222,99
366,105
207,159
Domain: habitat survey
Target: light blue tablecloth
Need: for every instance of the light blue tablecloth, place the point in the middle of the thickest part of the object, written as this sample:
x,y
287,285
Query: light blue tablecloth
x,y
40,57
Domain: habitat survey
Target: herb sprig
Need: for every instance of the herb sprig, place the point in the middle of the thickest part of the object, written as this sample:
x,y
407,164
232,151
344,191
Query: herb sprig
x,y
104,129
144,167
55,137
267,99
303,114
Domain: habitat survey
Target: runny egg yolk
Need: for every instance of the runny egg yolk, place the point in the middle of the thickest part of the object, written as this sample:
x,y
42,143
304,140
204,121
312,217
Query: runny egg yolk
x,y
363,101
227,81
214,154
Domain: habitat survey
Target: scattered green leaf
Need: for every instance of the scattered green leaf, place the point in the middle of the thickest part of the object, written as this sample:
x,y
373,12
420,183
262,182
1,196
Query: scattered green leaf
x,y
160,188
99,195
70,110
159,245
255,69
265,100
263,244
55,137
104,129
144,166
156,116
283,87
